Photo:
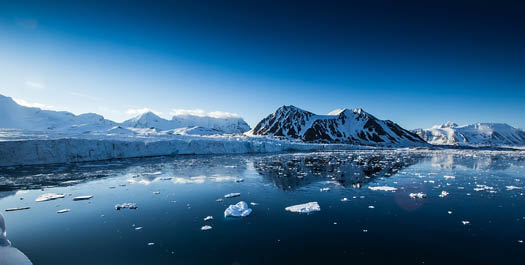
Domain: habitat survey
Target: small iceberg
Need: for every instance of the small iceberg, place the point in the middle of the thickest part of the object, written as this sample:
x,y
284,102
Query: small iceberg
x,y
206,227
449,177
304,208
49,197
128,205
208,218
325,189
9,254
465,222
382,188
82,198
513,187
64,211
17,209
240,209
232,195
419,195
443,194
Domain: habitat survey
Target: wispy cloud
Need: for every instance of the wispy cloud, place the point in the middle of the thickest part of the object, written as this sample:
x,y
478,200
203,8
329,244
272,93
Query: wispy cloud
x,y
135,112
33,104
35,84
202,113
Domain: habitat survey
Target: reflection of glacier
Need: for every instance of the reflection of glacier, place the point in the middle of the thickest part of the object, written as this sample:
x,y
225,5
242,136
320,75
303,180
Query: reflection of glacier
x,y
475,160
290,171
191,169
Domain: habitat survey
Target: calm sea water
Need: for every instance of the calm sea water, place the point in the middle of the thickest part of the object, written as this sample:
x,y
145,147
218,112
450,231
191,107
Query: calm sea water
x,y
174,194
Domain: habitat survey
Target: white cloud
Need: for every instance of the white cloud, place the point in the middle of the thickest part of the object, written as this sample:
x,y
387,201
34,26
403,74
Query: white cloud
x,y
33,104
135,112
35,84
202,113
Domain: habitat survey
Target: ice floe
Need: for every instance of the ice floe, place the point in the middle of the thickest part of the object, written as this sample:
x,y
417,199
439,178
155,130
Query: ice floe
x,y
304,208
382,188
325,189
449,177
418,195
465,222
128,205
208,218
17,209
443,194
82,198
206,227
64,211
49,197
240,209
511,187
232,195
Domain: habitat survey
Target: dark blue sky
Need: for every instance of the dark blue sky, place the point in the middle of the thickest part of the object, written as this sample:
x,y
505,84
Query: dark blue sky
x,y
418,63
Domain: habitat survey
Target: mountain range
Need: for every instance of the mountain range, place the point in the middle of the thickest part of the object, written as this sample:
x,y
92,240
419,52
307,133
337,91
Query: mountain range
x,y
345,126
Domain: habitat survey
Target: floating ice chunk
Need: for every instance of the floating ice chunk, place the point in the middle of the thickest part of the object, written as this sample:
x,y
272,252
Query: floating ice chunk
x,y
511,187
345,199
325,189
483,187
419,195
231,195
520,241
465,222
254,203
382,188
151,244
449,212
219,200
240,209
443,194
449,177
138,228
128,205
49,197
81,198
17,209
365,230
208,218
206,227
371,207
239,180
304,208
64,211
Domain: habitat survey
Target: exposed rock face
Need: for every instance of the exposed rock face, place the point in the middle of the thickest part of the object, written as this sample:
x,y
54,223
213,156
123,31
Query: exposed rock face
x,y
340,126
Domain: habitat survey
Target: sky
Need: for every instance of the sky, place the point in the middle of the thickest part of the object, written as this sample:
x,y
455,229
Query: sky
x,y
417,63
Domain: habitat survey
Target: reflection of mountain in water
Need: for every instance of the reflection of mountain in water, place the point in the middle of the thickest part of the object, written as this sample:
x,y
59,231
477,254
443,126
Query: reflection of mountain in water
x,y
290,171
476,160
144,170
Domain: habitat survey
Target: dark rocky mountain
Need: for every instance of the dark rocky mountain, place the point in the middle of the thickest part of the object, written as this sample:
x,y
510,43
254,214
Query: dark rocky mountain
x,y
339,126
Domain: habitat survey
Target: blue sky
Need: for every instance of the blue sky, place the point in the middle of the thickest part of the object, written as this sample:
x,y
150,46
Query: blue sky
x,y
418,64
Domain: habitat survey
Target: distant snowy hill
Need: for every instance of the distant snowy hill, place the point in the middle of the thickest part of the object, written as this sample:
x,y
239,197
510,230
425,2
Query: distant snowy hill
x,y
189,124
16,116
479,134
339,126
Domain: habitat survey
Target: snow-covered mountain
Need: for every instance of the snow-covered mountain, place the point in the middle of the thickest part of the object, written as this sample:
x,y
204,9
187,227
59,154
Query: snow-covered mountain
x,y
478,134
339,126
13,115
190,124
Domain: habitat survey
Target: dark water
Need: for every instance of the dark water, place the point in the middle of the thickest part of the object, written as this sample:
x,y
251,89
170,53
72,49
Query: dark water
x,y
399,229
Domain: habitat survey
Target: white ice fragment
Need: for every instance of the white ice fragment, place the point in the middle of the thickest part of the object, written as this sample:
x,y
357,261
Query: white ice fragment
x,y
208,218
304,208
449,212
240,209
151,244
64,211
206,227
443,194
382,188
17,209
419,195
371,207
345,199
231,195
465,222
254,203
128,205
483,187
325,189
138,228
449,177
49,197
219,200
85,197
511,187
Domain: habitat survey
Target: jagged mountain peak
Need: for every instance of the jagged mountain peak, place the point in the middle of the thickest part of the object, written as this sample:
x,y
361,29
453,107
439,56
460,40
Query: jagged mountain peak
x,y
339,126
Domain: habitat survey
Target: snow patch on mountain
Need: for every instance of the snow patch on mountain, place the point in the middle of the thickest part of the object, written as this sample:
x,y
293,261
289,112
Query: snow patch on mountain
x,y
478,134
353,126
